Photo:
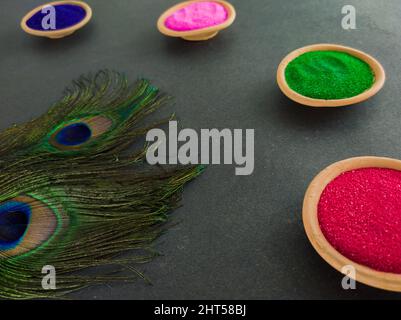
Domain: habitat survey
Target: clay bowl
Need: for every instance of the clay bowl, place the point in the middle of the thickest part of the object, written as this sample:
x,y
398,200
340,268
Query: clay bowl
x,y
364,274
377,68
61,33
198,34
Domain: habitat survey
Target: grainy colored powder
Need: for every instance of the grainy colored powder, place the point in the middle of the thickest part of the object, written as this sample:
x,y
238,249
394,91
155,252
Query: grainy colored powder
x,y
328,75
197,15
359,213
67,15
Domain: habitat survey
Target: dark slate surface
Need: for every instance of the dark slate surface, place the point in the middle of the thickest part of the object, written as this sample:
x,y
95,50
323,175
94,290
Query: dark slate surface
x,y
238,237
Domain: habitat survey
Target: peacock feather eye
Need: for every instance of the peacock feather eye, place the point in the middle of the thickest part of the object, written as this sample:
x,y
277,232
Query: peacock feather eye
x,y
78,133
14,220
74,134
25,224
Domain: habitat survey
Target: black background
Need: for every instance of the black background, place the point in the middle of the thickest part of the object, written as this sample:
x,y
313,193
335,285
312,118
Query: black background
x,y
238,237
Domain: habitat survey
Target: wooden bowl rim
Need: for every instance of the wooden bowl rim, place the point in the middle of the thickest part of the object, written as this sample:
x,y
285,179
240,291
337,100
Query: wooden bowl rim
x,y
61,32
364,274
377,68
173,33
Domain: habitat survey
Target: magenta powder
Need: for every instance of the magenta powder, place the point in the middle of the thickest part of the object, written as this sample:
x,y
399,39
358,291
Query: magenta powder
x,y
197,15
359,213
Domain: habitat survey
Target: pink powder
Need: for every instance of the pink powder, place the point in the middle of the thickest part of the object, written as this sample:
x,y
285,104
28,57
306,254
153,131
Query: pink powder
x,y
359,213
197,15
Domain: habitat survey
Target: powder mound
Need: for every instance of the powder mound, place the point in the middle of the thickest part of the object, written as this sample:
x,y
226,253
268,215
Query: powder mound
x,y
67,15
359,213
328,75
197,15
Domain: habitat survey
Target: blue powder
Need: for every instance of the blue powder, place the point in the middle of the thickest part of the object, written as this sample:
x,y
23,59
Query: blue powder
x,y
67,15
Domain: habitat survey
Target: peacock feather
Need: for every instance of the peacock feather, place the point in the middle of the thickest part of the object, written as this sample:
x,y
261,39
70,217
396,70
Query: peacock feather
x,y
73,196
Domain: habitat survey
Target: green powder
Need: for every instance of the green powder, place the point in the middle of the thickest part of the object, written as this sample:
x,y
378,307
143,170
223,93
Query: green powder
x,y
328,75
